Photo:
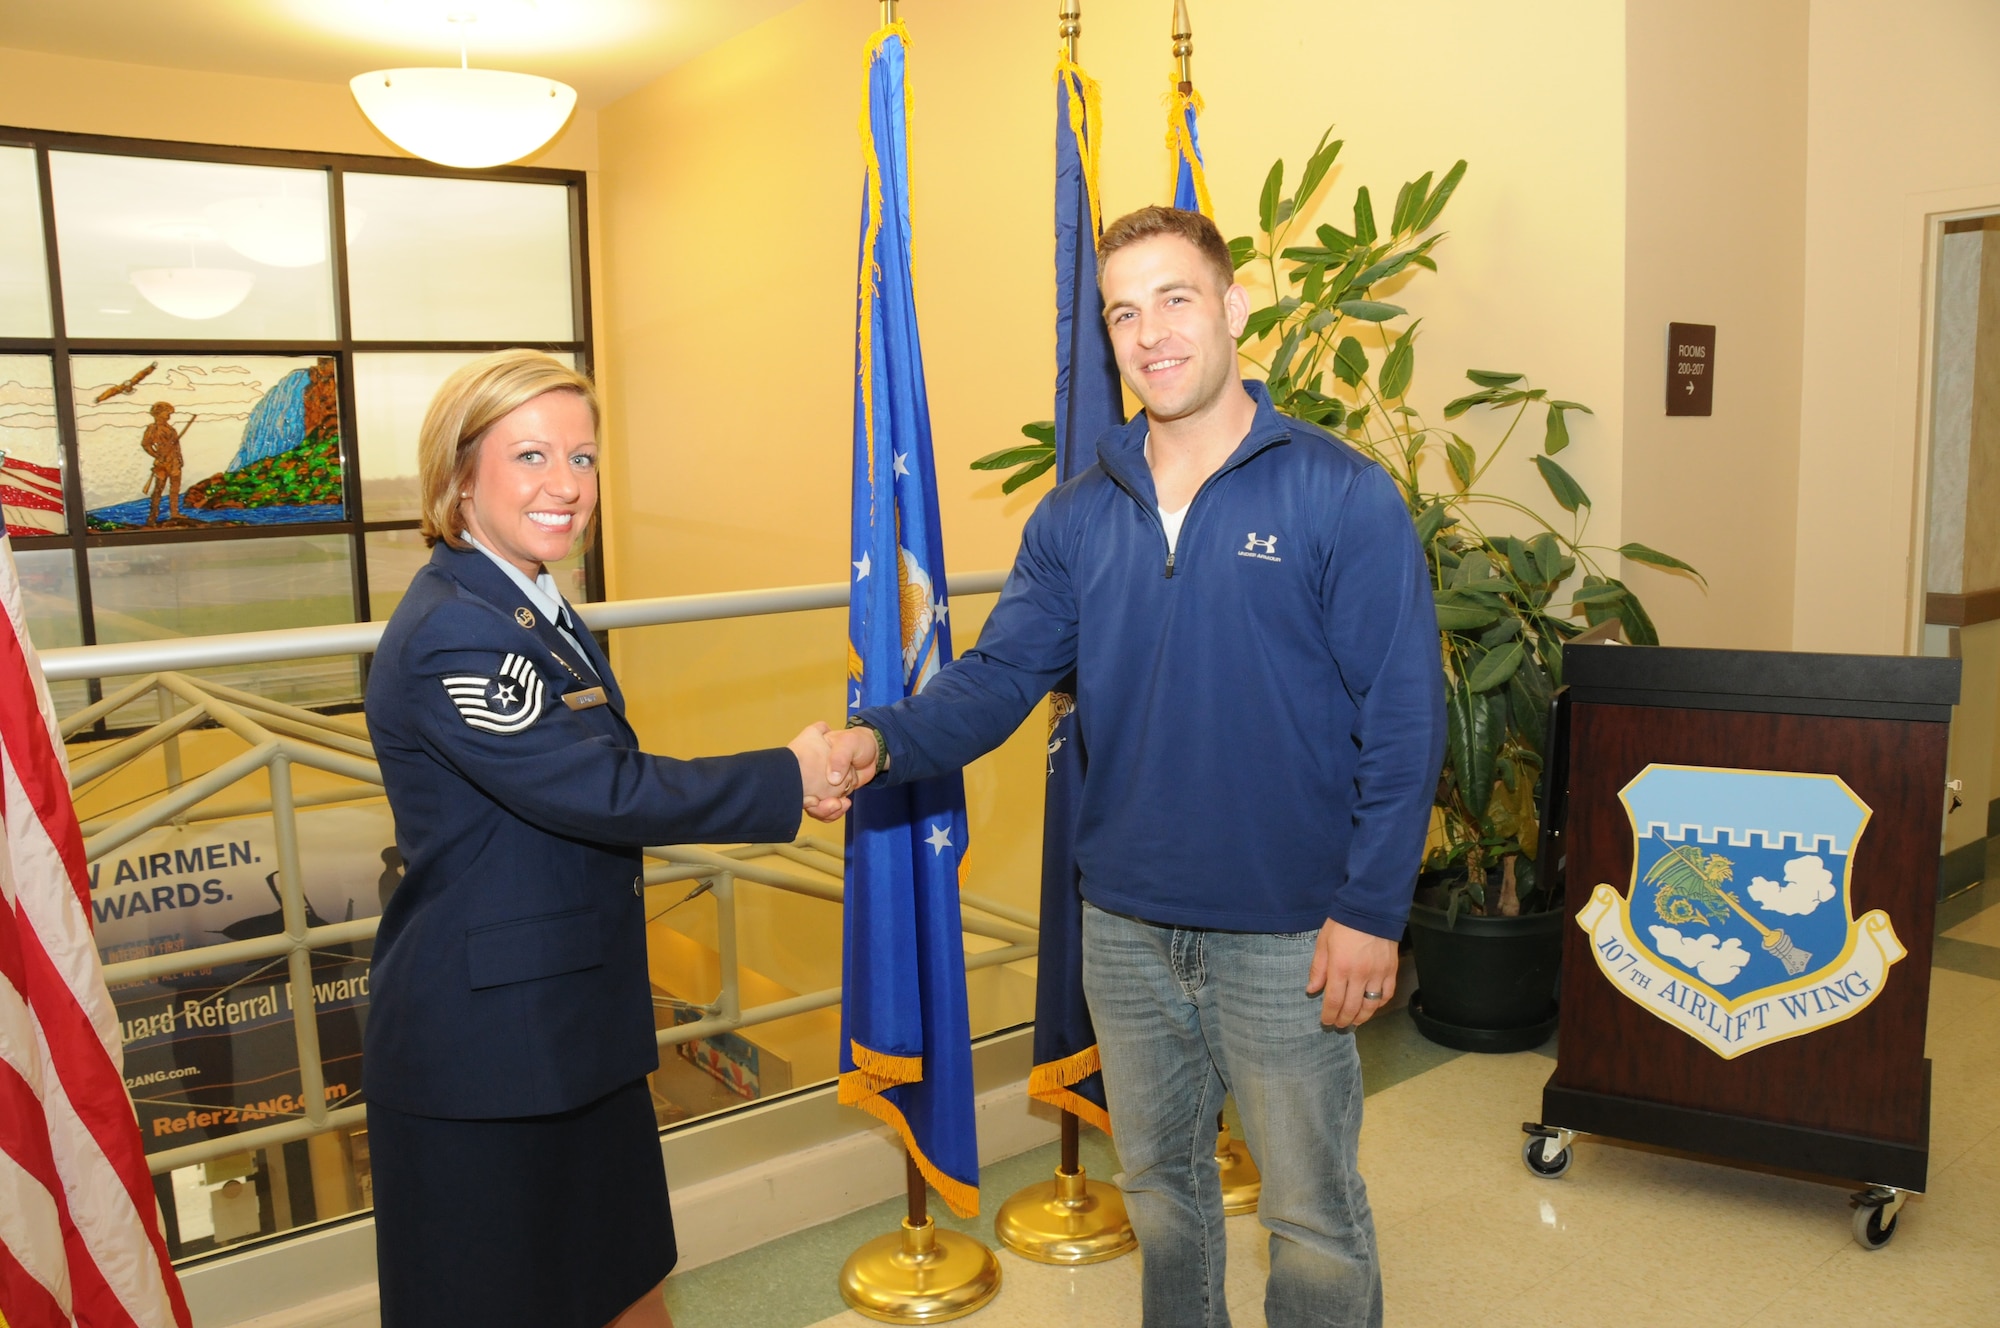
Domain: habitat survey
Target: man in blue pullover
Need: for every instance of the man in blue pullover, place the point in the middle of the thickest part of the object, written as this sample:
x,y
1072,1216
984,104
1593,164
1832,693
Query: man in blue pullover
x,y
1259,688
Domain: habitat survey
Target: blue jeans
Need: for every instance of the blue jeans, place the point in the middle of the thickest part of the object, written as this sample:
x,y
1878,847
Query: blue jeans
x,y
1183,1016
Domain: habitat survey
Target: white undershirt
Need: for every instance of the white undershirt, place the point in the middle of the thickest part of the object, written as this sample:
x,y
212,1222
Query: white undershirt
x,y
541,593
1169,521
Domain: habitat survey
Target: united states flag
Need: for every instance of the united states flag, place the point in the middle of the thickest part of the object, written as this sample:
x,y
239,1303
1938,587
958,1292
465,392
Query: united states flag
x,y
80,1236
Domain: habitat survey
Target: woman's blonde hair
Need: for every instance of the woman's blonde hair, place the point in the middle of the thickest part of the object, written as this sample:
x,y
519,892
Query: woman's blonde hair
x,y
475,398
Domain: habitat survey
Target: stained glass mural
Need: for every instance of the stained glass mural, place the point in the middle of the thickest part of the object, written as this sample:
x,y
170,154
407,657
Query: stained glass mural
x,y
31,486
190,441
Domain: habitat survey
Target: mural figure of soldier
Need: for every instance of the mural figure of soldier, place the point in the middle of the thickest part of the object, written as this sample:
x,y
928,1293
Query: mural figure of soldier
x,y
162,442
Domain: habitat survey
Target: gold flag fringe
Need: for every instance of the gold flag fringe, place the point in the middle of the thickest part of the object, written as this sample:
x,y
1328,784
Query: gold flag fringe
x,y
865,295
1182,143
963,1199
1086,117
1050,1082
876,1070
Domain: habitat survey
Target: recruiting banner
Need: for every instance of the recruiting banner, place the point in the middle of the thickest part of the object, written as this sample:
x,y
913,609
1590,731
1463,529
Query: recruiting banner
x,y
1737,928
211,1052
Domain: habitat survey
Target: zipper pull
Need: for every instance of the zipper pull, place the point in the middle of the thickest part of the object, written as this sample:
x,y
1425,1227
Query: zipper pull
x,y
1170,564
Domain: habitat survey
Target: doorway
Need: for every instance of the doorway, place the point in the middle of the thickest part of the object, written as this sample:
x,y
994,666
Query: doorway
x,y
1962,532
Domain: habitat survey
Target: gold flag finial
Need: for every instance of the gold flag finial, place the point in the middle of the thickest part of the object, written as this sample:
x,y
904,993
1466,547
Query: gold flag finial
x,y
1184,46
888,12
1069,25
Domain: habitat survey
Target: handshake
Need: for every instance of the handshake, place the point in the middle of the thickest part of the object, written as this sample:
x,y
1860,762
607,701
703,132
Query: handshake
x,y
832,764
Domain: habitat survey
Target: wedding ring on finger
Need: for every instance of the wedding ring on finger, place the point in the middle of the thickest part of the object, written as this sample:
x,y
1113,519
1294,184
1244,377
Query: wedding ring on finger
x,y
1371,995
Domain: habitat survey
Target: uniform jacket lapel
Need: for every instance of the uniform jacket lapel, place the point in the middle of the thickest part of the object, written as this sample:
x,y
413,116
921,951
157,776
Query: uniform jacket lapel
x,y
598,661
476,572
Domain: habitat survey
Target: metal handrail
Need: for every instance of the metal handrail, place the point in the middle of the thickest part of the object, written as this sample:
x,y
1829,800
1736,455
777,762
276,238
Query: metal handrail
x,y
105,661
278,736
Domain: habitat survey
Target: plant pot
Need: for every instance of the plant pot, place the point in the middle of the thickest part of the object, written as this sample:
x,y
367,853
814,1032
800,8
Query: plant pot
x,y
1487,984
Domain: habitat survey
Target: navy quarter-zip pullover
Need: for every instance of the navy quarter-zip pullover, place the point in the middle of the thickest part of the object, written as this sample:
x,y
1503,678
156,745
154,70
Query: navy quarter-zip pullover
x,y
1263,707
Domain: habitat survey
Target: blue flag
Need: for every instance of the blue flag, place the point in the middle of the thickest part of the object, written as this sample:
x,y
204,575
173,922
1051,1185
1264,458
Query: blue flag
x,y
905,1038
1184,138
1067,1072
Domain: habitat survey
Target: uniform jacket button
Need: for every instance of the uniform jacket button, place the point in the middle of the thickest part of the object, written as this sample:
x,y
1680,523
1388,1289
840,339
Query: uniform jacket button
x,y
638,886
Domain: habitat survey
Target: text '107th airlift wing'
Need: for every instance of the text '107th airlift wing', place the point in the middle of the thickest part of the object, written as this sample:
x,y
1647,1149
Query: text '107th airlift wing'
x,y
1737,928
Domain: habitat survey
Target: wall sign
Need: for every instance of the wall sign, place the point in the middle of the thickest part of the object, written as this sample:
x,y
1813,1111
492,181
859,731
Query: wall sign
x,y
212,1052
1690,368
1738,928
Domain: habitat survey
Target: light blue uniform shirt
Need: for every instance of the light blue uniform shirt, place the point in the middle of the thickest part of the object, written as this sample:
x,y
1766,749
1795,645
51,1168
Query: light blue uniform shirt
x,y
541,593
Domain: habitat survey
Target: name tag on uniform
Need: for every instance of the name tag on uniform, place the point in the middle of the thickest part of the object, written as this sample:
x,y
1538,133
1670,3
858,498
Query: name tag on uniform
x,y
585,698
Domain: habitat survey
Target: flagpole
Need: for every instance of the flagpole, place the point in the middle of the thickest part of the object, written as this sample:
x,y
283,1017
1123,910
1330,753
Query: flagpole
x,y
918,1273
1242,1183
1190,186
1069,1219
1183,46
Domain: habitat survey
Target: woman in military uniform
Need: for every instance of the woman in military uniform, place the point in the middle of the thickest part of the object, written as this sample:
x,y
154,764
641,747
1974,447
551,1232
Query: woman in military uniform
x,y
515,1155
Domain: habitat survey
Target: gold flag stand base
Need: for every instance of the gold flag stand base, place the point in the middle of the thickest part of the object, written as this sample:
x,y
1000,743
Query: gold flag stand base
x,y
1069,1220
919,1274
1242,1183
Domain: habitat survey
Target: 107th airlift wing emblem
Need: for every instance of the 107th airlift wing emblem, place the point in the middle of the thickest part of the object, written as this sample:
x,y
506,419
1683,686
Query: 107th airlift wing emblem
x,y
1738,928
506,702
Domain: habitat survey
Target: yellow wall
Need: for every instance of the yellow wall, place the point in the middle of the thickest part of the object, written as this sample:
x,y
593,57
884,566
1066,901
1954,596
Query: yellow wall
x,y
1903,123
1715,204
729,206
731,186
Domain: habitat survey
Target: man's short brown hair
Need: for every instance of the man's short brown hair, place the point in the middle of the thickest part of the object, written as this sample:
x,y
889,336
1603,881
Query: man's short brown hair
x,y
1148,222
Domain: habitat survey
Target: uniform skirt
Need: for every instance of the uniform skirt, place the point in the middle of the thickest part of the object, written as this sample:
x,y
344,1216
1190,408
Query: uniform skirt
x,y
551,1221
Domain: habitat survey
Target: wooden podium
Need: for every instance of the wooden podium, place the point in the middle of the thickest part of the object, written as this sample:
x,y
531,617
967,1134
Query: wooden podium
x,y
1847,1098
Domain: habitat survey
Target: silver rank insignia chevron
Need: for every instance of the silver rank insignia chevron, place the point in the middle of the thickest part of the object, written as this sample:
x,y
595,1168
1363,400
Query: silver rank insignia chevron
x,y
505,703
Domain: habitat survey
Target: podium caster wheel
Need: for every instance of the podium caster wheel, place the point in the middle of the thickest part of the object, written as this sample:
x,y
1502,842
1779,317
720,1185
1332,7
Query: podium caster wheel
x,y
1546,1157
1871,1231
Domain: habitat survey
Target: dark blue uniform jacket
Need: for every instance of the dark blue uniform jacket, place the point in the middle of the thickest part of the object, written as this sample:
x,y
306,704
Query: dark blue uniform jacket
x,y
1263,710
510,970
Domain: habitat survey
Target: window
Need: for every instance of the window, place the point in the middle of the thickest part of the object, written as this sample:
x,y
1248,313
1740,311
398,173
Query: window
x,y
213,366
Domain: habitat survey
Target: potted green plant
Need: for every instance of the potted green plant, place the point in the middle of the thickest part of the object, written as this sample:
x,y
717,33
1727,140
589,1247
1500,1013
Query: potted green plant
x,y
1336,351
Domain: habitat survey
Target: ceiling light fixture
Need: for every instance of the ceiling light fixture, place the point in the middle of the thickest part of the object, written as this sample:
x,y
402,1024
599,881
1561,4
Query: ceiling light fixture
x,y
274,231
464,117
194,293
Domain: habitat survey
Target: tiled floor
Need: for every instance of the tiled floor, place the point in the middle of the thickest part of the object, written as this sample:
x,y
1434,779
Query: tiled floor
x,y
1468,1237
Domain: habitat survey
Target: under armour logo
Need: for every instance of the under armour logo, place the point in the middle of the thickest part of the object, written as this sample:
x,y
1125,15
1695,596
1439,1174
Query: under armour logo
x,y
1265,549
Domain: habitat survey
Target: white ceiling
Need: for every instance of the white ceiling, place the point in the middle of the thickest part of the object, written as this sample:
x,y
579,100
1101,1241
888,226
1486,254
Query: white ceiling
x,y
603,48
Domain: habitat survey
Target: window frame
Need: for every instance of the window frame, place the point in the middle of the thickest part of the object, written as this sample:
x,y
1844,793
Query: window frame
x,y
343,348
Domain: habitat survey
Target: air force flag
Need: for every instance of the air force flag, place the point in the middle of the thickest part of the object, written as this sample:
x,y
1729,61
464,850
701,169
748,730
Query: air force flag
x,y
906,1048
1089,403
